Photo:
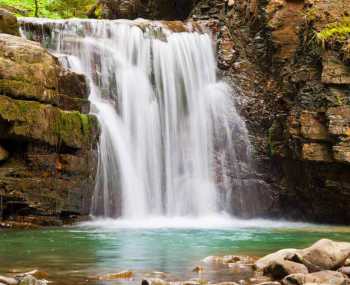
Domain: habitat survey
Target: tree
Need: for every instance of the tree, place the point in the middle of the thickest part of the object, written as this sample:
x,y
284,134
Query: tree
x,y
36,10
71,8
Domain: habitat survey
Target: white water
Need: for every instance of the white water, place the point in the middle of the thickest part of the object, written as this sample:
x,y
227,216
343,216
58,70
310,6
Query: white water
x,y
170,132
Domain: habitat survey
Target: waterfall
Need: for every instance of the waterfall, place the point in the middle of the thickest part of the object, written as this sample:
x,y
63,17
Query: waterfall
x,y
172,142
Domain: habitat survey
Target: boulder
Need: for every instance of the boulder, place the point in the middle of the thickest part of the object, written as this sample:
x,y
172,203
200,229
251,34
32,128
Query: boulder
x,y
281,268
28,71
8,23
325,255
322,277
281,255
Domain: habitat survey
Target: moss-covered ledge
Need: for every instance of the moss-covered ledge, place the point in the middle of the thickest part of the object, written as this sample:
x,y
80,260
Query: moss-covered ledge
x,y
28,120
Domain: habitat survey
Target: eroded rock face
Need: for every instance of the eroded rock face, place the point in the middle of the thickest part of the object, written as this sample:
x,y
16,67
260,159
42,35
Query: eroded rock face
x,y
47,145
298,114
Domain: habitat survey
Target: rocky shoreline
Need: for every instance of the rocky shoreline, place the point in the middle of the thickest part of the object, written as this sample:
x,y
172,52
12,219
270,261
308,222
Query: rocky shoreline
x,y
324,262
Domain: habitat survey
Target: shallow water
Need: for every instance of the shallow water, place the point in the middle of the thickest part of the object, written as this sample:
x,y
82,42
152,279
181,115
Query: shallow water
x,y
73,255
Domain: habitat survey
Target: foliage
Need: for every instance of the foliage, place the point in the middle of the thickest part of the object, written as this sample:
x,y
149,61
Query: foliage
x,y
335,32
50,8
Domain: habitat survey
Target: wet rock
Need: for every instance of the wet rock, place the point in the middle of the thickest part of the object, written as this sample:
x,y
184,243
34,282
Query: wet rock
x,y
8,23
322,277
282,268
270,283
28,71
3,154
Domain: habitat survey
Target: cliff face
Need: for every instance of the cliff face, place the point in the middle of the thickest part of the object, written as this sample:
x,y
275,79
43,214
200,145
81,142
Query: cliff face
x,y
47,141
293,67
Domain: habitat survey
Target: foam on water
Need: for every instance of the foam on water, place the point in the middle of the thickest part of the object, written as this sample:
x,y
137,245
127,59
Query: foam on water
x,y
211,222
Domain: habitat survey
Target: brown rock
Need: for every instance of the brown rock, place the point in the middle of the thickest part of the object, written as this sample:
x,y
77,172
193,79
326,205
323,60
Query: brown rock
x,y
281,268
316,152
28,71
313,126
339,121
342,152
334,70
345,270
322,277
115,276
325,255
8,23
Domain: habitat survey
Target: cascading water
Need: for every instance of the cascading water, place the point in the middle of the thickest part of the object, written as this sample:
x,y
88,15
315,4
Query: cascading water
x,y
172,142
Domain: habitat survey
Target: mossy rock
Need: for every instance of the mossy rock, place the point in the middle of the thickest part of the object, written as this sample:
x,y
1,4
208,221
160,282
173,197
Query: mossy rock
x,y
30,72
8,23
28,120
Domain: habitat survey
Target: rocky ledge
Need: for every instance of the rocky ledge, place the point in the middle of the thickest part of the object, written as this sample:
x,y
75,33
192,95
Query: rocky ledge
x,y
47,139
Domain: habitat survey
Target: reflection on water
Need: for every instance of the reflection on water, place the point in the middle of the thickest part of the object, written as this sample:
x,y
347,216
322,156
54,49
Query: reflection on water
x,y
71,255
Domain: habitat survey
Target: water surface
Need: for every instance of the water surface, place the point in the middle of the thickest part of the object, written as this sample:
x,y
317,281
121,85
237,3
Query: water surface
x,y
73,255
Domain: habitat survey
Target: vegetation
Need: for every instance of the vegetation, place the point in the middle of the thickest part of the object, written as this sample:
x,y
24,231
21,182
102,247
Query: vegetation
x,y
335,32
49,8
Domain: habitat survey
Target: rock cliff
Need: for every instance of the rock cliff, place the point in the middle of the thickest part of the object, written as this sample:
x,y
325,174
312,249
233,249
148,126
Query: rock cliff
x,y
47,139
293,67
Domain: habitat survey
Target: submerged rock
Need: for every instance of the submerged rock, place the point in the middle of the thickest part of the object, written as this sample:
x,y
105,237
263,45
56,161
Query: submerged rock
x,y
115,276
154,281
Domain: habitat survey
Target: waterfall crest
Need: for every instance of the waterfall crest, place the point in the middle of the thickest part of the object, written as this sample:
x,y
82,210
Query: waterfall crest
x,y
172,142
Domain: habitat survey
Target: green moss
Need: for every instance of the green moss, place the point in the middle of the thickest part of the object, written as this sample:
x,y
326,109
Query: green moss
x,y
335,32
85,123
